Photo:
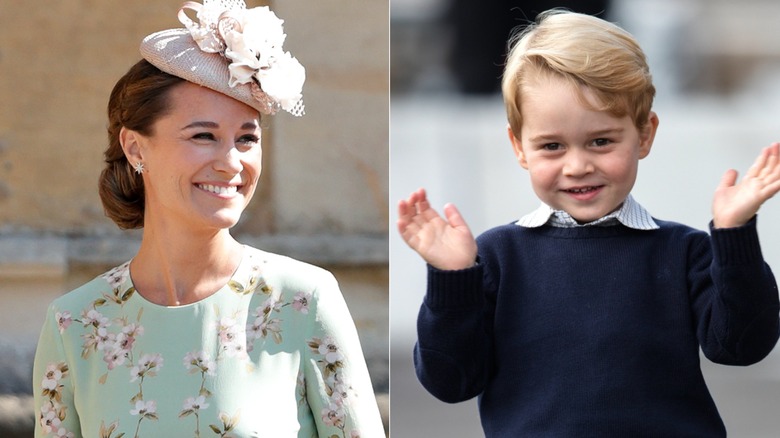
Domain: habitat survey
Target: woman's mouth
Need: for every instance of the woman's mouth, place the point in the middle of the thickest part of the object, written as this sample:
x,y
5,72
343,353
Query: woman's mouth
x,y
218,190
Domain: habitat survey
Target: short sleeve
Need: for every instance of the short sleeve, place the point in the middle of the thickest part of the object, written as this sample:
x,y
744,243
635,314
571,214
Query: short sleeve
x,y
55,412
338,387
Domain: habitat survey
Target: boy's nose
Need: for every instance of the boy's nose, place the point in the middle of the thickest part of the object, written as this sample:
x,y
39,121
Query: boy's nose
x,y
577,163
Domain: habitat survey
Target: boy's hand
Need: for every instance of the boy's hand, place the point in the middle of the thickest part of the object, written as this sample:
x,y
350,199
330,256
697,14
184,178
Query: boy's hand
x,y
734,204
444,244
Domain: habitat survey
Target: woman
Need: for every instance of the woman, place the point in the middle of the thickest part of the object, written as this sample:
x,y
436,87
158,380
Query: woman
x,y
199,335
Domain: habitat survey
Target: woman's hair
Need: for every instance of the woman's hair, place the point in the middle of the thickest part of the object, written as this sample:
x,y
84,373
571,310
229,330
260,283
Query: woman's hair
x,y
137,101
585,51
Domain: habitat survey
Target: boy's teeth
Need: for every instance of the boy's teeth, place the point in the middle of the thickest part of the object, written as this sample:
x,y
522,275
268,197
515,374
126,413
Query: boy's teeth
x,y
584,190
217,189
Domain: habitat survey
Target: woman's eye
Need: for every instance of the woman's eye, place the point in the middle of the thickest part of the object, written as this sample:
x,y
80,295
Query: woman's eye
x,y
204,136
249,139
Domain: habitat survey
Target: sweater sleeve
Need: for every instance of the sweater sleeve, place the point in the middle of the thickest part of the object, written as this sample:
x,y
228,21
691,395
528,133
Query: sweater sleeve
x,y
735,297
55,411
453,350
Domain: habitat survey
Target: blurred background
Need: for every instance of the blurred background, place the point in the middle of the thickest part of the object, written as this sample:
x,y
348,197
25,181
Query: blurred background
x,y
716,66
322,196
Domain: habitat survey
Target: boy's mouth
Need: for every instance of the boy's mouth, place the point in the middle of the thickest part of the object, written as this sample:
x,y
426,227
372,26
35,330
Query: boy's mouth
x,y
582,190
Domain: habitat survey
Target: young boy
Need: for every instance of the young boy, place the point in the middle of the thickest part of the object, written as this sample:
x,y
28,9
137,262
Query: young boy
x,y
585,317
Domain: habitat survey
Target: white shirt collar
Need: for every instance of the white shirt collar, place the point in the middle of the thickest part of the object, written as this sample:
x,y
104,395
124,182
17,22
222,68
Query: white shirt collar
x,y
630,214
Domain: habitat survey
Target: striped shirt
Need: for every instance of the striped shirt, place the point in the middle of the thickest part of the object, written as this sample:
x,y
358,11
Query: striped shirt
x,y
630,214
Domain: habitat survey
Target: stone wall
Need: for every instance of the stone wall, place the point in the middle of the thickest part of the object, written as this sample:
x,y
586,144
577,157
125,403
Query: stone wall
x,y
323,192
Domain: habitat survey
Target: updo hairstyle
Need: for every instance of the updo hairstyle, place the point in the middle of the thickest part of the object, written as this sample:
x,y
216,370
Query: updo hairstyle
x,y
137,101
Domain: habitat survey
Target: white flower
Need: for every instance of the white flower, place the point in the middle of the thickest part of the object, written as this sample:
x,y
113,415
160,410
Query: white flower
x,y
200,361
117,276
283,81
329,349
49,421
105,340
95,318
114,357
149,364
63,433
195,403
144,407
333,415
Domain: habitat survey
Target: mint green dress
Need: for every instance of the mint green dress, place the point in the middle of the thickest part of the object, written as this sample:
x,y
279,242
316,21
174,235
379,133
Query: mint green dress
x,y
274,353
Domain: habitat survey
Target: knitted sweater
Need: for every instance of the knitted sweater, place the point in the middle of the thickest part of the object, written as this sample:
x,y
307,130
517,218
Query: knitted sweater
x,y
596,331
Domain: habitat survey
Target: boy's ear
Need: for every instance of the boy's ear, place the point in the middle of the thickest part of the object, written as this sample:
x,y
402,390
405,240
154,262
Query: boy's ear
x,y
647,135
518,148
131,145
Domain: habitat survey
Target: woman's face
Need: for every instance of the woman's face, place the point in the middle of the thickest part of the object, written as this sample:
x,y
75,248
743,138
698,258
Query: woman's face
x,y
202,160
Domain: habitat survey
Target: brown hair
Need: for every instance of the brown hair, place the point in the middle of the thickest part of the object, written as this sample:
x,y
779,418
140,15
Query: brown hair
x,y
137,101
586,51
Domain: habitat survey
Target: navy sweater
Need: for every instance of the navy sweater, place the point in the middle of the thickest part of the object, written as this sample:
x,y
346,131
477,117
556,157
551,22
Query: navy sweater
x,y
595,331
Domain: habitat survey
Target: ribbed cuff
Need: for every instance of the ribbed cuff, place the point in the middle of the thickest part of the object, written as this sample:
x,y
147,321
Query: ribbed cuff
x,y
736,246
461,288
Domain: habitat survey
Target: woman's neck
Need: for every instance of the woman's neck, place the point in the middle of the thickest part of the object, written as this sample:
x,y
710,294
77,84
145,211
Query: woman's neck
x,y
176,266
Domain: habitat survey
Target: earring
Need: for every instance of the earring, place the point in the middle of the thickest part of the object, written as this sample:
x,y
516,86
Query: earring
x,y
139,167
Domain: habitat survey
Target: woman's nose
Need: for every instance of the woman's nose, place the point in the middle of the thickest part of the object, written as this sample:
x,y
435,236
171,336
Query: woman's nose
x,y
230,162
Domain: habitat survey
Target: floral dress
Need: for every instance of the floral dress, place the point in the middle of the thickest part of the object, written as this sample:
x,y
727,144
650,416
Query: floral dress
x,y
274,353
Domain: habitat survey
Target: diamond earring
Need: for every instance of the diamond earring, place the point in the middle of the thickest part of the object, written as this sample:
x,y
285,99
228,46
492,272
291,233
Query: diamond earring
x,y
139,167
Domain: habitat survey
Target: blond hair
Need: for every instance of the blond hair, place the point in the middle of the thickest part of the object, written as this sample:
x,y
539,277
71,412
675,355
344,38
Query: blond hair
x,y
586,51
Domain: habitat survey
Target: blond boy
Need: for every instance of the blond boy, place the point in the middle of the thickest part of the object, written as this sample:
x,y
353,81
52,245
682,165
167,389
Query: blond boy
x,y
585,317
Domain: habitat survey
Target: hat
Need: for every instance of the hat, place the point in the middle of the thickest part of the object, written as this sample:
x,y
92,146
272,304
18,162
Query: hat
x,y
232,50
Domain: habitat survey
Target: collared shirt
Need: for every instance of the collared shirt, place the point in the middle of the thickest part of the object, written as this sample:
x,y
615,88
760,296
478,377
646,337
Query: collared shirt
x,y
630,214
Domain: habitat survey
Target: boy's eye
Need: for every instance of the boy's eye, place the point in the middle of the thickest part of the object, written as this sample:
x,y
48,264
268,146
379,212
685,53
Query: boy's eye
x,y
552,146
601,142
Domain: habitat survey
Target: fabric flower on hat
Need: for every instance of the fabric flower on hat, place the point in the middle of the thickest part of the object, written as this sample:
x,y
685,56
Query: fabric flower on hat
x,y
252,40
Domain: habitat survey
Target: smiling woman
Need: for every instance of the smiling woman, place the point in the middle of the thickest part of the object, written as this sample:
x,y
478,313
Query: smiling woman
x,y
199,334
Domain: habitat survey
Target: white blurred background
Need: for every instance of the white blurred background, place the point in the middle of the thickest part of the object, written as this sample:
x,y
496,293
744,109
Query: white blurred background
x,y
716,66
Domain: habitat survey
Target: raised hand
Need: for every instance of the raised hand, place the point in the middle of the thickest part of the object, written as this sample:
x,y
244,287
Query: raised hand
x,y
445,244
735,203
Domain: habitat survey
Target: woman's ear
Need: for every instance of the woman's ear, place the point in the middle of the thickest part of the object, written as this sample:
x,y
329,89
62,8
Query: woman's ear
x,y
131,145
647,135
517,145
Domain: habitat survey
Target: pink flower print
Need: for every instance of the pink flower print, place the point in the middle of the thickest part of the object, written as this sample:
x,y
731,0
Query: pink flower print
x,y
114,357
301,302
333,415
63,433
146,409
354,433
330,351
64,320
94,318
50,421
232,339
199,361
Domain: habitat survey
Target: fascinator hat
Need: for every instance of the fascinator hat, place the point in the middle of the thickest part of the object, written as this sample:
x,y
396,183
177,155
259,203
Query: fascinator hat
x,y
232,50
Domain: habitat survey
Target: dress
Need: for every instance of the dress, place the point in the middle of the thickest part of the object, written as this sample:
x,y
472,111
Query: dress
x,y
595,331
273,353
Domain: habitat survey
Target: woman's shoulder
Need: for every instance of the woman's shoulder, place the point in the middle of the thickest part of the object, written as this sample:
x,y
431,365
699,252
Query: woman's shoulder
x,y
108,283
287,270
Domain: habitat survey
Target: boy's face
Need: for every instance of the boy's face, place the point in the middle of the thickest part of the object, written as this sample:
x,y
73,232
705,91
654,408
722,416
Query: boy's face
x,y
581,161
